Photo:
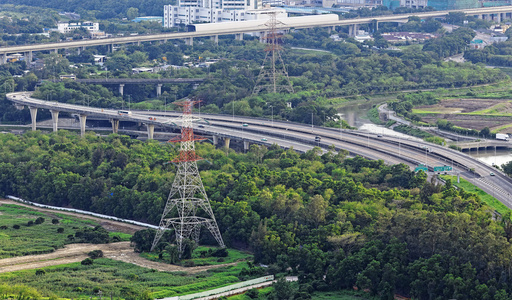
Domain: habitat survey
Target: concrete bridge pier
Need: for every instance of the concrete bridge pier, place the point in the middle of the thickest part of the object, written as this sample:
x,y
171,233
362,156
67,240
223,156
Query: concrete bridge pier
x,y
159,90
151,131
115,125
121,89
352,30
239,36
226,142
55,119
83,118
215,39
29,56
246,146
33,117
497,18
215,139
19,107
189,41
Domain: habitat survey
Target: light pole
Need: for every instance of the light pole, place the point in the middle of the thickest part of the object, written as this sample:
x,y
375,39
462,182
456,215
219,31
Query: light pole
x,y
233,105
272,115
311,122
129,102
341,126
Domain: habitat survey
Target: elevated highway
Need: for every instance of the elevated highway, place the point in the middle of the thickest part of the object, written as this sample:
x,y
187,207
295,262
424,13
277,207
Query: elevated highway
x,y
238,29
301,137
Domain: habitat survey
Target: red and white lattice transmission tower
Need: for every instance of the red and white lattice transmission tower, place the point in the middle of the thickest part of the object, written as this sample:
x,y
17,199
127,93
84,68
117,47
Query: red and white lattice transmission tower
x,y
273,76
187,197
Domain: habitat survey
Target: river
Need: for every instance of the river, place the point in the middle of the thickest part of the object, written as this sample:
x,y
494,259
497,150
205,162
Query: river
x,y
356,116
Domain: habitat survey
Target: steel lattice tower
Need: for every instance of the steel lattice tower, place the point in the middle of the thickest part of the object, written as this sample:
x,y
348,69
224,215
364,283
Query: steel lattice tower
x,y
187,195
270,74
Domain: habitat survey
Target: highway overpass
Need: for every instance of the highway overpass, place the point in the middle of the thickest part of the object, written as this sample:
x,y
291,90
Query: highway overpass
x,y
299,136
495,13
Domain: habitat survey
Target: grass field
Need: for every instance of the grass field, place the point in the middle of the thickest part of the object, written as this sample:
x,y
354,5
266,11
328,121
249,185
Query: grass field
x,y
37,238
488,199
119,279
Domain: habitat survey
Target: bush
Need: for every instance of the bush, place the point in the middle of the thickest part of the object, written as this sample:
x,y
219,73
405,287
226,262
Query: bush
x,y
55,221
222,252
60,230
3,227
190,263
16,226
87,262
39,220
253,293
40,272
95,254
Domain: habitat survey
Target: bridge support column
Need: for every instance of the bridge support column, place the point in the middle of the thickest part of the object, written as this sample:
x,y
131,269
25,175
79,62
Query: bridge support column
x,y
56,51
19,107
239,36
498,18
159,90
138,43
55,119
215,139
29,57
246,145
151,131
376,26
352,30
215,39
189,41
83,118
115,125
121,89
3,59
226,142
33,117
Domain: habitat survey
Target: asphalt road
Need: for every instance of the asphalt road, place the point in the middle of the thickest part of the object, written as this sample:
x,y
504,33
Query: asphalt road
x,y
302,138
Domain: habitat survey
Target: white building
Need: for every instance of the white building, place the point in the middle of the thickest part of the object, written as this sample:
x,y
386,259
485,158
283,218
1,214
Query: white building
x,y
215,11
70,27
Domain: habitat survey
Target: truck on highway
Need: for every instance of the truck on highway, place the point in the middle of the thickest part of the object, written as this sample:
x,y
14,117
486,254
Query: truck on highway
x,y
502,136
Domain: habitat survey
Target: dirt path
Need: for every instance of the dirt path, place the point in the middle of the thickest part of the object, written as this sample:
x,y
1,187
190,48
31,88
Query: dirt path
x,y
107,224
77,252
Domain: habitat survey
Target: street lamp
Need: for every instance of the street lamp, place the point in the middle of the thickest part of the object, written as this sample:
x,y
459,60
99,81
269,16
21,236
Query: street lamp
x,y
272,115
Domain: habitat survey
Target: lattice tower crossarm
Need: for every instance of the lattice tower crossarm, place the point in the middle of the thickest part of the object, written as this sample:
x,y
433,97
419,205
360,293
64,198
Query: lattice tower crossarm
x,y
187,196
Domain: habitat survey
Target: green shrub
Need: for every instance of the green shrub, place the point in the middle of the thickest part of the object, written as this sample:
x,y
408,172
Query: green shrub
x,y
39,220
55,221
60,230
87,262
40,272
95,254
16,226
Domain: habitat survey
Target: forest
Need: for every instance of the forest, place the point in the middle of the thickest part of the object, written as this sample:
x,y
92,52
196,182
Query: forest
x,y
335,221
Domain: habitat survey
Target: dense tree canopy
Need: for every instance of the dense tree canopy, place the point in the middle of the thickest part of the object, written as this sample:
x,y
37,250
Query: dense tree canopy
x,y
337,222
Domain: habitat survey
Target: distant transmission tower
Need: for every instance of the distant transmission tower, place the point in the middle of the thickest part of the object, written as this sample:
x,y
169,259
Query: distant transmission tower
x,y
270,74
187,196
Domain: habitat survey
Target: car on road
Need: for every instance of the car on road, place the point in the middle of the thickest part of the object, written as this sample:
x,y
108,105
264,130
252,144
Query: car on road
x,y
264,139
201,126
492,174
245,124
379,135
